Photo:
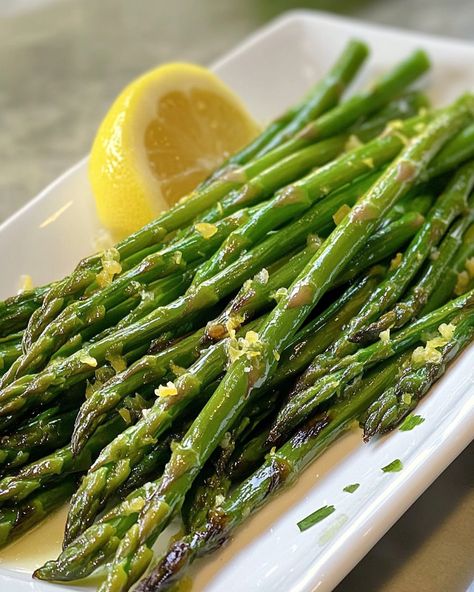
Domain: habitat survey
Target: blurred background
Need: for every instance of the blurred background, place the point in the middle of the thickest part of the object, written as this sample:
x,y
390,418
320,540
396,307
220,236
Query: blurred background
x,y
61,64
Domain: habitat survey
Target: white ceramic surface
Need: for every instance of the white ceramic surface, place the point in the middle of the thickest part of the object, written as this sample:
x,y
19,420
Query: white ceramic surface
x,y
270,71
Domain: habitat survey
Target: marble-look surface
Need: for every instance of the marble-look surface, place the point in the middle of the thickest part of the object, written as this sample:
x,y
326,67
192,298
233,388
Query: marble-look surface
x,y
54,58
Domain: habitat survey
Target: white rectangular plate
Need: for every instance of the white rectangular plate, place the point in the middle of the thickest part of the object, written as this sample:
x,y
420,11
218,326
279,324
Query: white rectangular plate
x,y
271,70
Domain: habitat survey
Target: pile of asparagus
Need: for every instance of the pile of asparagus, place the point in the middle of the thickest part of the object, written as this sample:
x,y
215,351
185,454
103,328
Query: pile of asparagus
x,y
322,275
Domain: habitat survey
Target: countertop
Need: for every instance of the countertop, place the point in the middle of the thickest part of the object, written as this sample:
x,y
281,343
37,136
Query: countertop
x,y
54,58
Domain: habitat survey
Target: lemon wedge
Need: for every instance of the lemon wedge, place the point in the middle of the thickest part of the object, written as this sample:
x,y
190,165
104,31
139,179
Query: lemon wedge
x,y
164,134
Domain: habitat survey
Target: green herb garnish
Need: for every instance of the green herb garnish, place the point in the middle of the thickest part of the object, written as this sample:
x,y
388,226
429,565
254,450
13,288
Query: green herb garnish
x,y
411,421
315,517
394,467
351,488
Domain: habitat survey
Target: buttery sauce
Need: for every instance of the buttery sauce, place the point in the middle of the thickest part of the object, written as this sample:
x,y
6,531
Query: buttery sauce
x,y
37,546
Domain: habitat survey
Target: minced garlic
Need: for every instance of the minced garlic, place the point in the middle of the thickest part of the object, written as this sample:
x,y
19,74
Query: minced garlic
x,y
168,390
385,336
470,267
125,415
220,499
447,330
369,162
341,214
352,143
89,360
205,229
248,346
396,261
110,267
177,370
462,283
262,276
117,362
429,353
278,294
234,322
25,284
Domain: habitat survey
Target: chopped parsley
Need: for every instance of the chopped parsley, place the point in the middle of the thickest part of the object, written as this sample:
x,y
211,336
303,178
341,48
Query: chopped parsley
x,y
351,488
411,421
315,517
394,467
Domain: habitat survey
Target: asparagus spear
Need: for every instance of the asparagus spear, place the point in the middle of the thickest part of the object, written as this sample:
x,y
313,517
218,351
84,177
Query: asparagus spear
x,y
82,313
446,289
359,105
303,403
10,350
384,243
259,292
16,310
78,312
16,520
147,370
314,338
263,184
30,391
279,470
419,294
414,380
123,453
115,462
51,429
98,543
321,97
153,463
214,482
295,199
451,203
244,375
186,210
156,294
59,463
